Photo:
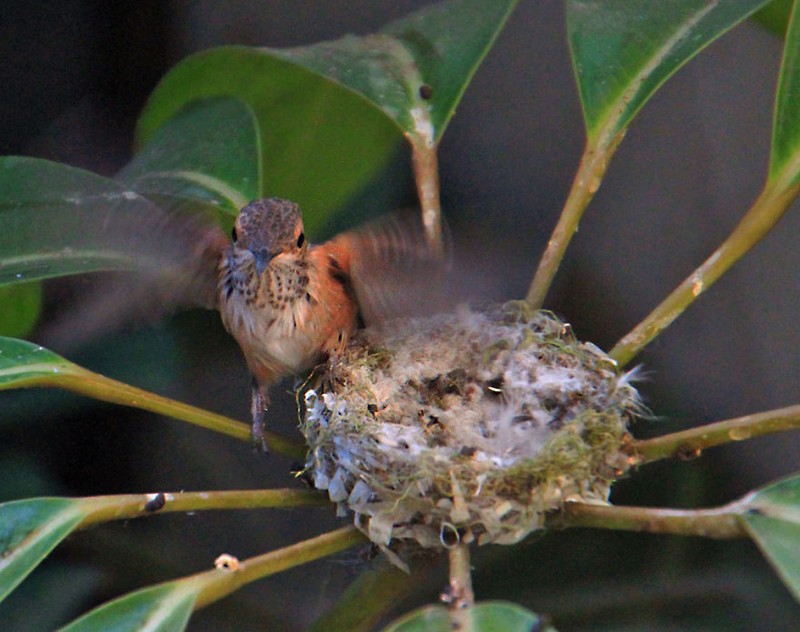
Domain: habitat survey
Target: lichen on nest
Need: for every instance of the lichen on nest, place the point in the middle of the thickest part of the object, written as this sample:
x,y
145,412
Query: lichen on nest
x,y
468,425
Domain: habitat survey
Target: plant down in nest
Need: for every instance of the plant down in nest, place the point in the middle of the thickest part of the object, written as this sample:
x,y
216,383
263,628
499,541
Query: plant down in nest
x,y
467,426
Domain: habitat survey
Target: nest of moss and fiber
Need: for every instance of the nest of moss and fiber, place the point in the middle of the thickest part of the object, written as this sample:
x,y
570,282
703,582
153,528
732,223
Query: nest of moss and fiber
x,y
468,425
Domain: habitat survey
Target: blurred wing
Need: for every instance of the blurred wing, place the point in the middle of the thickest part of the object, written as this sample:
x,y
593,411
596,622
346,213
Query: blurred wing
x,y
178,252
392,269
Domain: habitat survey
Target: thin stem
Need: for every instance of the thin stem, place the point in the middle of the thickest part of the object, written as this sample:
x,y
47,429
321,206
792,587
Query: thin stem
x,y
719,523
219,583
84,382
768,208
591,170
694,440
460,596
125,506
425,164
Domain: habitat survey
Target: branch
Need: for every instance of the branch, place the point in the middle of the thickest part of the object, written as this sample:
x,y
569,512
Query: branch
x,y
425,164
694,440
719,523
84,382
765,212
125,506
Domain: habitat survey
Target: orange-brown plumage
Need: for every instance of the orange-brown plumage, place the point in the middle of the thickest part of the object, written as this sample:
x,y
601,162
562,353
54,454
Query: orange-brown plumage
x,y
288,304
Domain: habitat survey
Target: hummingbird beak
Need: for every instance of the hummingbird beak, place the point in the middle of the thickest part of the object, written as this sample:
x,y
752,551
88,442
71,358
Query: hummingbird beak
x,y
262,258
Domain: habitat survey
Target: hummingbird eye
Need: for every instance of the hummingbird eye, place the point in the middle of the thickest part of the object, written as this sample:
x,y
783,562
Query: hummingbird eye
x,y
301,239
233,234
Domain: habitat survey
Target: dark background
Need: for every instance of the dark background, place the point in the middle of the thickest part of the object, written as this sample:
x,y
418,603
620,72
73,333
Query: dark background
x,y
75,73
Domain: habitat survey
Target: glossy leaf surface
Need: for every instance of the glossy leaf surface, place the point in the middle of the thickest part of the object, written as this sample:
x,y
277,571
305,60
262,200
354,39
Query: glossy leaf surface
x,y
56,220
209,151
330,113
320,142
773,520
486,617
162,608
623,50
29,530
19,308
416,68
785,154
23,363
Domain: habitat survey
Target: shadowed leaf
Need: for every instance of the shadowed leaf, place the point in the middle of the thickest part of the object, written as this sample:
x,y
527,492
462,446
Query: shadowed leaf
x,y
162,608
29,530
343,102
785,155
21,304
773,520
416,68
486,617
623,50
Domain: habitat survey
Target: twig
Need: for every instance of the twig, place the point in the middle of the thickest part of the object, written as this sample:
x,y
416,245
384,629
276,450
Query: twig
x,y
426,175
694,440
765,212
459,596
126,506
587,180
719,523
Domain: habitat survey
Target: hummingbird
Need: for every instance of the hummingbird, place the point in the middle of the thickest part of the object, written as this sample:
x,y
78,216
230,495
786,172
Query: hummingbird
x,y
289,304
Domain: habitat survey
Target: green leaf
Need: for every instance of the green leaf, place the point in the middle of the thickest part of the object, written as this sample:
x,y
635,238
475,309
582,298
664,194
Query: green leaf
x,y
163,608
775,16
57,220
785,155
772,516
209,151
19,308
623,50
486,617
29,530
330,114
416,68
320,142
24,364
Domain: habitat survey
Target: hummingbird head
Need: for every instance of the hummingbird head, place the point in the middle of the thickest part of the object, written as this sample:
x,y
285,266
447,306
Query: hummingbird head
x,y
267,228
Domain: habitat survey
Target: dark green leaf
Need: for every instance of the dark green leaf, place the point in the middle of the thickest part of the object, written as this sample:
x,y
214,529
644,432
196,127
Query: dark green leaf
x,y
162,608
57,220
416,68
320,142
23,363
29,530
623,50
330,114
775,16
19,308
209,151
772,517
487,617
785,156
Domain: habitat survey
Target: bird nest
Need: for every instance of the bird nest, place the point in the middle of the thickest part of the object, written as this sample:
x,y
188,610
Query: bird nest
x,y
470,426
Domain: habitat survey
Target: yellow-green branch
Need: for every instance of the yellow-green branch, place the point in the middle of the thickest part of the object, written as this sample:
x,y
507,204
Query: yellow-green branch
x,y
220,582
768,208
100,509
591,170
694,440
720,523
74,378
